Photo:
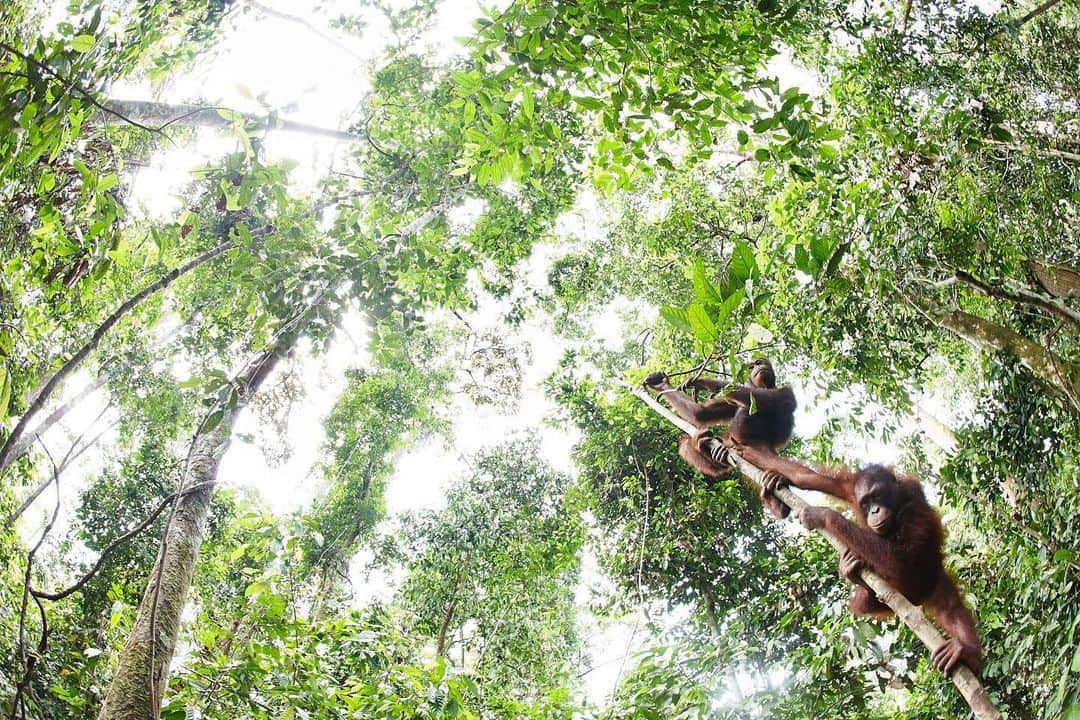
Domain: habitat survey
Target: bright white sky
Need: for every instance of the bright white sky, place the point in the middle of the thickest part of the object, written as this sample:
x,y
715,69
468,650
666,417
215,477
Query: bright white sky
x,y
321,83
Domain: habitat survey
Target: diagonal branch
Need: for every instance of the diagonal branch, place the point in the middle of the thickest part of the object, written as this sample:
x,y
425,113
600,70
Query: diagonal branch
x,y
164,115
1021,295
912,616
7,456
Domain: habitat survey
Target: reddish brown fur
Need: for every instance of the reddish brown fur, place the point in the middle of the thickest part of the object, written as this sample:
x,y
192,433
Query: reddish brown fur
x,y
769,427
905,548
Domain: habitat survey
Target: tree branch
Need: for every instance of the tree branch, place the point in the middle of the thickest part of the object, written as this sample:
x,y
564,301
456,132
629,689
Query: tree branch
x,y
185,115
7,456
1020,295
1035,13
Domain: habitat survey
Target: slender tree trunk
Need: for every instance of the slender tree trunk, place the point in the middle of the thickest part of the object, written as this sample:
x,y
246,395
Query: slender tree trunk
x,y
441,644
138,683
938,432
162,115
333,569
28,438
986,335
7,455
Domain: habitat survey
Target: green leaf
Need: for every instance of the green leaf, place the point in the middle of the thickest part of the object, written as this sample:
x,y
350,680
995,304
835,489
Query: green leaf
x,y
820,248
82,43
5,391
1001,134
255,589
702,325
589,103
837,256
742,266
212,421
802,260
677,317
729,306
704,290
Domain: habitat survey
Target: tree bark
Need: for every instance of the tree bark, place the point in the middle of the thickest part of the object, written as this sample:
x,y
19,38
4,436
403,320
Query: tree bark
x,y
1053,370
162,115
138,683
7,455
1060,281
441,644
333,569
912,615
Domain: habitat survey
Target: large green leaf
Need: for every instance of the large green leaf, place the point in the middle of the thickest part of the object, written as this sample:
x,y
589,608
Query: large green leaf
x,y
743,266
704,290
701,323
678,318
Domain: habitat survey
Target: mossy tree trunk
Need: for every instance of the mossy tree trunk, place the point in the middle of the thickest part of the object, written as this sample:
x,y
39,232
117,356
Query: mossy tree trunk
x,y
142,669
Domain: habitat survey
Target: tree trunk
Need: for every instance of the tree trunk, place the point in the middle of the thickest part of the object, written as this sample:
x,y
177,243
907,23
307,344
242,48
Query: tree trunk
x,y
162,115
441,642
138,683
935,430
986,335
333,570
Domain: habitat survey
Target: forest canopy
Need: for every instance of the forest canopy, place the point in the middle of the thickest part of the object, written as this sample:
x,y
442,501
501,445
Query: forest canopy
x,y
323,327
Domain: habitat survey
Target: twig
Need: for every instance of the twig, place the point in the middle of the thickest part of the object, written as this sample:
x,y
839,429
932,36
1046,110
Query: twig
x,y
72,84
912,616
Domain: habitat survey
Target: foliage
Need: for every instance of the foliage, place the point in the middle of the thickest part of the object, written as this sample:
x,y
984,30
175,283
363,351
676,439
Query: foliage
x,y
497,567
918,165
